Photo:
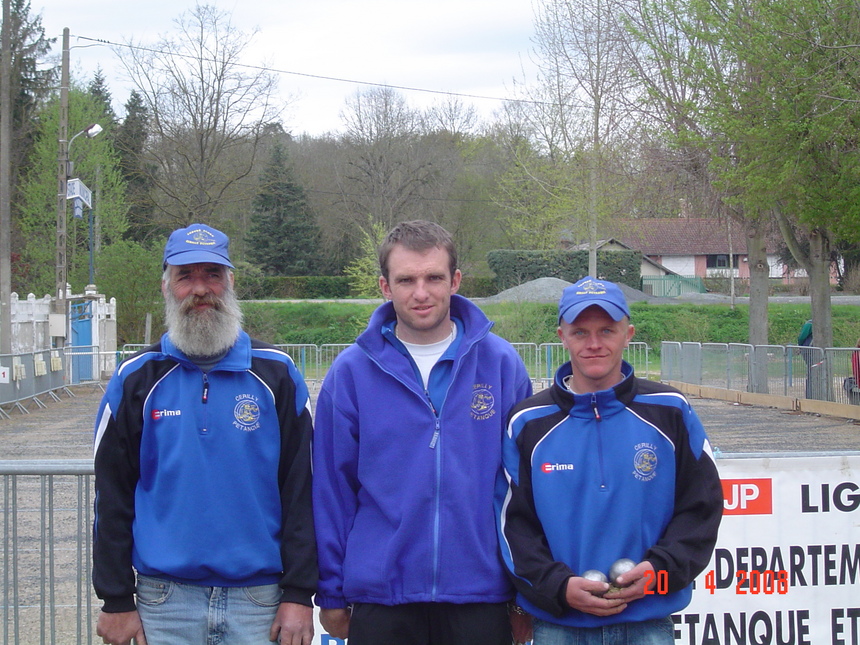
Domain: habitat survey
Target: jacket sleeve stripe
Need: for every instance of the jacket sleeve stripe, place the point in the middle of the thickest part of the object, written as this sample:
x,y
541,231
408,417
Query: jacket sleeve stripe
x,y
102,426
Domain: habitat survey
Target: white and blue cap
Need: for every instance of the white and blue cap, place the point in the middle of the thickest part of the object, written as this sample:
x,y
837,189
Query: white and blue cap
x,y
196,244
589,292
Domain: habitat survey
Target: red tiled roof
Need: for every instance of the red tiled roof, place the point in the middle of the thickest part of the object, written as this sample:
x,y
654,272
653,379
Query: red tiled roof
x,y
680,236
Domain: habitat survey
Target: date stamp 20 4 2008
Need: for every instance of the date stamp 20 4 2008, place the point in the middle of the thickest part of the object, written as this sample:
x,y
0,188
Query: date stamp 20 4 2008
x,y
748,582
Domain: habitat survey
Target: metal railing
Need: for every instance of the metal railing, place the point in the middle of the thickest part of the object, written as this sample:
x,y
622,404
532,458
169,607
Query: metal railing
x,y
45,567
541,360
788,370
26,377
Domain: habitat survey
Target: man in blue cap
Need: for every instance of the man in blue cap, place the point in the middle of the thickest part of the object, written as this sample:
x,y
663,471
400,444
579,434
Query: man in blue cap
x,y
600,467
203,525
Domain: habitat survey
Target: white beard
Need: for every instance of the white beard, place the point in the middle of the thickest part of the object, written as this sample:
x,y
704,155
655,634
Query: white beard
x,y
210,332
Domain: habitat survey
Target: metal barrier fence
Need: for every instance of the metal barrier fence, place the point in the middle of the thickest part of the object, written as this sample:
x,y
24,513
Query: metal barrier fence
x,y
541,361
47,514
788,370
26,377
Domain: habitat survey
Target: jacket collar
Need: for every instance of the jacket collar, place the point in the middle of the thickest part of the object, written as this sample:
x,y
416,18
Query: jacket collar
x,y
237,359
622,392
476,325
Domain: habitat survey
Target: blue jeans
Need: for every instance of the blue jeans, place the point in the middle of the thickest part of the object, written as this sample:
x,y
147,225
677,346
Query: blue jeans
x,y
173,613
649,632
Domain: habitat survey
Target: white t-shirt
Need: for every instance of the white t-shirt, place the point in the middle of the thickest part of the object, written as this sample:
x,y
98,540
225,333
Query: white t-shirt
x,y
426,356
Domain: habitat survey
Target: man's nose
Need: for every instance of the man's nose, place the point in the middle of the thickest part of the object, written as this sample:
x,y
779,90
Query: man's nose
x,y
594,340
421,291
200,287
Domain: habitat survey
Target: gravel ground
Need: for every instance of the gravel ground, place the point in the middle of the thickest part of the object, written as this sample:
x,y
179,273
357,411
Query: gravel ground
x,y
64,429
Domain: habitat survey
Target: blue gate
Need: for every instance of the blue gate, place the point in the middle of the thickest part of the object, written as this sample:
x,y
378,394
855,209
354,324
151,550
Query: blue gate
x,y
82,336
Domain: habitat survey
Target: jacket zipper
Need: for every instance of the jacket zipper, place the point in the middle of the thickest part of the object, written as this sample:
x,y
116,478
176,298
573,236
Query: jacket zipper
x,y
205,401
435,438
598,418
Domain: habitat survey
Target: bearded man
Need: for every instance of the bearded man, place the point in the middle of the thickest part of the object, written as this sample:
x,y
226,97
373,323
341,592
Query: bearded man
x,y
203,525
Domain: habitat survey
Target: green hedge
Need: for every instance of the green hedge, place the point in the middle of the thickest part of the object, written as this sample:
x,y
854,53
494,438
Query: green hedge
x,y
516,267
477,287
313,287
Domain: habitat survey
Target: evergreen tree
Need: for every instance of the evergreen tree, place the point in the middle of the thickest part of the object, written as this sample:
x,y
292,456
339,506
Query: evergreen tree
x,y
284,238
130,143
99,90
31,82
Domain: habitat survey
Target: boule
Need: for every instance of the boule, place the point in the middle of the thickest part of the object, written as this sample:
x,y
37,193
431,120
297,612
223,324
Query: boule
x,y
597,576
618,568
594,574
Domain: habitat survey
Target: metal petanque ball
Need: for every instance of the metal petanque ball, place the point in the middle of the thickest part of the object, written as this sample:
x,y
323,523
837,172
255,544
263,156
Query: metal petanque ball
x,y
597,576
620,567
594,574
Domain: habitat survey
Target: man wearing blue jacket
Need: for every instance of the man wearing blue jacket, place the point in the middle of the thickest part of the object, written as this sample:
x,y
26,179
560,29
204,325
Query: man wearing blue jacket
x,y
203,527
407,449
604,466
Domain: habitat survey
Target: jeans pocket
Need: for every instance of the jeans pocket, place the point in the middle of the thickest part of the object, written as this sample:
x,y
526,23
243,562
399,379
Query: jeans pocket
x,y
153,591
264,595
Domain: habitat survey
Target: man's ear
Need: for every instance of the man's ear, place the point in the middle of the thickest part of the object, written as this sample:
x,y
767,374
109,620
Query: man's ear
x,y
455,281
384,287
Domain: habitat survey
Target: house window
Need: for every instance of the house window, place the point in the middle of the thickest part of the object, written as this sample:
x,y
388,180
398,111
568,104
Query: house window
x,y
721,261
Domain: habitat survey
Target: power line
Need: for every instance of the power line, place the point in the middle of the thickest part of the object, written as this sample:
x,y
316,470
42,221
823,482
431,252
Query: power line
x,y
335,79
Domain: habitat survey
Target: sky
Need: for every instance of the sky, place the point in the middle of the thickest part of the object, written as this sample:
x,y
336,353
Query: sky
x,y
469,47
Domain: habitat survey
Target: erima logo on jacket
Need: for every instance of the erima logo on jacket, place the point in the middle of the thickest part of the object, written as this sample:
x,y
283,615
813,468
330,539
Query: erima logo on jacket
x,y
158,414
548,467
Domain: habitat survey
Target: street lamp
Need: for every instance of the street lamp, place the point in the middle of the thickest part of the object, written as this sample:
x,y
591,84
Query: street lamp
x,y
90,131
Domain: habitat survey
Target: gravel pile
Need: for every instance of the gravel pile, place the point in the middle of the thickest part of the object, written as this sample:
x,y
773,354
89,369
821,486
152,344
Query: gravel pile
x,y
549,290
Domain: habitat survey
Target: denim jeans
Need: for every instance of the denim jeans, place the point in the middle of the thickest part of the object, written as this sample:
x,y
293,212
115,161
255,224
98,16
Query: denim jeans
x,y
173,613
649,632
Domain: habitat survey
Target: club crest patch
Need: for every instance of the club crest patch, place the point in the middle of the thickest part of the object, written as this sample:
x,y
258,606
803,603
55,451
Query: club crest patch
x,y
246,413
645,462
483,402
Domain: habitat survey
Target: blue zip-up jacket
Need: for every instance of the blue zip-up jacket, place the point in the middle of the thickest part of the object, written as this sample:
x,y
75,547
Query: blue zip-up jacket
x,y
204,478
591,478
403,486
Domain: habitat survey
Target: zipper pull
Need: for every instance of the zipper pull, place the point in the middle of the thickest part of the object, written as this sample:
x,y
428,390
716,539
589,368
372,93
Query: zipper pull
x,y
205,389
435,438
594,406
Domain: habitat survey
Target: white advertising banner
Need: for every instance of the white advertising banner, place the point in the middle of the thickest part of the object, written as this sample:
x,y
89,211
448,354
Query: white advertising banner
x,y
786,569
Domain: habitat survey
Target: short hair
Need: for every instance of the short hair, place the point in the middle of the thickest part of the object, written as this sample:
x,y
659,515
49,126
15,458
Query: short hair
x,y
165,275
417,235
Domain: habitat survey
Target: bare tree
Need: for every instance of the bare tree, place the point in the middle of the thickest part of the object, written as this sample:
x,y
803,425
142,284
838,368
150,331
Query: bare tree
x,y
389,173
208,113
584,54
451,115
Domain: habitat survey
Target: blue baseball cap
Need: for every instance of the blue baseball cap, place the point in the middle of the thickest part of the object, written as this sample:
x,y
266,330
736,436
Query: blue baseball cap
x,y
196,244
590,292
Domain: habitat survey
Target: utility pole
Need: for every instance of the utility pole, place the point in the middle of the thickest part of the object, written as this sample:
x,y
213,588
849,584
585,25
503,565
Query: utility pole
x,y
6,183
60,306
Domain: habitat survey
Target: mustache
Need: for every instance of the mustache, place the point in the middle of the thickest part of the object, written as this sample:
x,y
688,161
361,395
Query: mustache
x,y
191,302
